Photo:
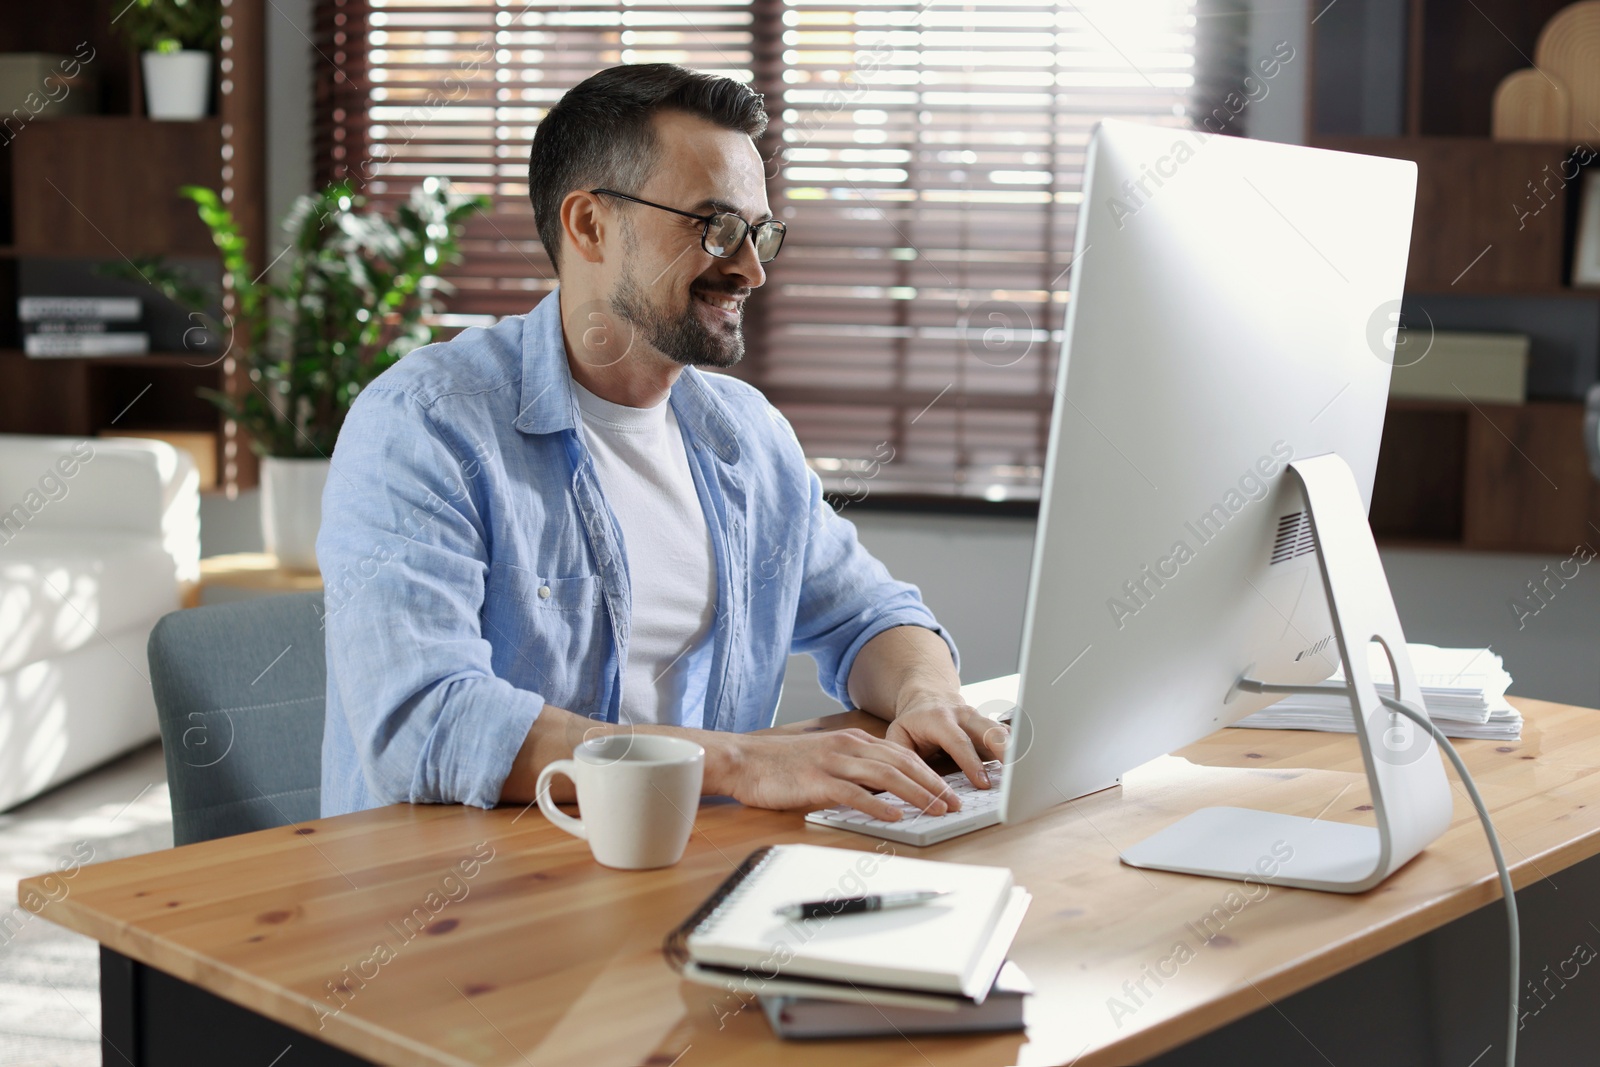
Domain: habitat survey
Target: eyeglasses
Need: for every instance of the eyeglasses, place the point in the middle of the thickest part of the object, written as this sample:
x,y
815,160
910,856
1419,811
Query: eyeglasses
x,y
723,231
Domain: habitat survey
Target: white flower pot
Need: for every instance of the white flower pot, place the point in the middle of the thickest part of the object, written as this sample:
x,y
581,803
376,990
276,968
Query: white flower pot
x,y
291,509
177,85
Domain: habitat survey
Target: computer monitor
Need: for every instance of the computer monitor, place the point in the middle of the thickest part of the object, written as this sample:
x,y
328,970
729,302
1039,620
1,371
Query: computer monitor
x,y
1234,307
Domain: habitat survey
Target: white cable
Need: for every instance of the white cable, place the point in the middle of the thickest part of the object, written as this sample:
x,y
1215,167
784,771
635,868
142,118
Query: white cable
x,y
1421,719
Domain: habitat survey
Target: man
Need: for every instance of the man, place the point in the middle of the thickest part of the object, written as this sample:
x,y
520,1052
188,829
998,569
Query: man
x,y
560,526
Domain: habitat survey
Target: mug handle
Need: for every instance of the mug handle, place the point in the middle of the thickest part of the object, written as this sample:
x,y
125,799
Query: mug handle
x,y
541,790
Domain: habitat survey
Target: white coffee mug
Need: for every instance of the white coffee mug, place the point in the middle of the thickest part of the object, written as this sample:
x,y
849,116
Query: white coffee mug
x,y
637,795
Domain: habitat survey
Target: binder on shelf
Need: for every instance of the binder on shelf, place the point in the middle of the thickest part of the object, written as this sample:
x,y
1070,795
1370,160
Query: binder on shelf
x,y
69,345
1488,367
66,327
59,308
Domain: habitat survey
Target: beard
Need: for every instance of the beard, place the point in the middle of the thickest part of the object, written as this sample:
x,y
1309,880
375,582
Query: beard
x,y
682,337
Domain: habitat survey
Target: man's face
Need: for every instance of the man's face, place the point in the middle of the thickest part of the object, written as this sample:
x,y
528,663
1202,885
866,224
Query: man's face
x,y
684,302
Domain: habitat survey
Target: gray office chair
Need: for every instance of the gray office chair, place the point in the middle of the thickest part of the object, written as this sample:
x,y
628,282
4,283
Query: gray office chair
x,y
240,691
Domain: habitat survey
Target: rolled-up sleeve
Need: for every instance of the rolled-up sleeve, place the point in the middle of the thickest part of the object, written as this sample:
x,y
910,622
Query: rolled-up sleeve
x,y
847,597
404,559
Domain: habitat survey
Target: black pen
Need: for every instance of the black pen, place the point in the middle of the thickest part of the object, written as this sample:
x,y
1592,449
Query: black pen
x,y
821,909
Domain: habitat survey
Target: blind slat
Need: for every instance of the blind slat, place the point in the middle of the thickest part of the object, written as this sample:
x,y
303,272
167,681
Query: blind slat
x,y
927,158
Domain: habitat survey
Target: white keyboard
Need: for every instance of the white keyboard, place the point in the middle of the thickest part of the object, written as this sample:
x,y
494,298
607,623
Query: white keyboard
x,y
979,808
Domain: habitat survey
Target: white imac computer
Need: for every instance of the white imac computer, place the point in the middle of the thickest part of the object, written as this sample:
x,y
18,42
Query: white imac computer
x,y
1203,540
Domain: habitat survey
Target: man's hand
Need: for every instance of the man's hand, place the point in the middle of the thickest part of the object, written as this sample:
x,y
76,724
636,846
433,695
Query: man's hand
x,y
905,675
835,767
928,722
762,771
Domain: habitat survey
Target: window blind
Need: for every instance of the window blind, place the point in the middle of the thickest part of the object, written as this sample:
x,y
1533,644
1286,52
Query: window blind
x,y
926,156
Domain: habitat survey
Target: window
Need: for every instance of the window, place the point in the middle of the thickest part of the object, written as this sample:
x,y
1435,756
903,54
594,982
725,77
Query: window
x,y
926,156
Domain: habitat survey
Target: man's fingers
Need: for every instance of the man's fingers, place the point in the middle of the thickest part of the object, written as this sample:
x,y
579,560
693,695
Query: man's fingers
x,y
881,776
988,735
947,735
907,762
897,734
960,736
959,746
844,792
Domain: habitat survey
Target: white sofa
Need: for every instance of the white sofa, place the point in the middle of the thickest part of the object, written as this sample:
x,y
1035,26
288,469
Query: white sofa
x,y
95,537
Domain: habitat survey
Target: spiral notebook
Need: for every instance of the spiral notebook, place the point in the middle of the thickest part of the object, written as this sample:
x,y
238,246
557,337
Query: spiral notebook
x,y
953,945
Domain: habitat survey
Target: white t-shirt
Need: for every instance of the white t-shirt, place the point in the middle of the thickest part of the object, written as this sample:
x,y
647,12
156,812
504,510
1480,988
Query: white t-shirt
x,y
644,474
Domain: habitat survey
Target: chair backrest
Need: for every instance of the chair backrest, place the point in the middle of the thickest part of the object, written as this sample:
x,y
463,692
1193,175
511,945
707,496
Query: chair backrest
x,y
1591,430
241,690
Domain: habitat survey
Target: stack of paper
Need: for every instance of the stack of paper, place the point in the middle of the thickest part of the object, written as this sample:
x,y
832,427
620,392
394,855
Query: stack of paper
x,y
1463,689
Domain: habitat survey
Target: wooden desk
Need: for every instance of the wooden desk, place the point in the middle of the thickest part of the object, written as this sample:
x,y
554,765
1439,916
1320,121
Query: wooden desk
x,y
551,959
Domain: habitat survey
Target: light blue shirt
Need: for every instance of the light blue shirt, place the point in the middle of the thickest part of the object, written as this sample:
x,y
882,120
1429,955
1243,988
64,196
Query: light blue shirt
x,y
474,570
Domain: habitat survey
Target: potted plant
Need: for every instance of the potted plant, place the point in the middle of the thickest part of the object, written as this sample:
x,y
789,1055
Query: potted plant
x,y
175,39
348,300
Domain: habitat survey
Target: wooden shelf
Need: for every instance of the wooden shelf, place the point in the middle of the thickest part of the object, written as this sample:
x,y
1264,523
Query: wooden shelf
x,y
1494,477
1452,474
106,186
1413,403
1459,53
179,360
1466,236
1421,544
1558,292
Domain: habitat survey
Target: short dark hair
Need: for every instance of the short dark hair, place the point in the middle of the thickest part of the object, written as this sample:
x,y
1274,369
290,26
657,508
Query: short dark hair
x,y
601,132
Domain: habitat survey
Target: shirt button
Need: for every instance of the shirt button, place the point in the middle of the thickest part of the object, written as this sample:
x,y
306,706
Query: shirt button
x,y
544,592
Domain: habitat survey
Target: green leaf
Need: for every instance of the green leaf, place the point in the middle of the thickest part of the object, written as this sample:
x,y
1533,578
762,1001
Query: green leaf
x,y
354,286
168,25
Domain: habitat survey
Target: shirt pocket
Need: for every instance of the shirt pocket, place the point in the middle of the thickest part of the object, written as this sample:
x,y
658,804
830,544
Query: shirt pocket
x,y
580,594
549,634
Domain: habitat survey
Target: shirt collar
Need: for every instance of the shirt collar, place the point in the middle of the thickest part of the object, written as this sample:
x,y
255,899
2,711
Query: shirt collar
x,y
696,403
549,405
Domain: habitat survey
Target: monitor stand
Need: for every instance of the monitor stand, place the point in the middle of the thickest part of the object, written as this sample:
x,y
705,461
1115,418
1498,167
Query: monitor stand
x,y
1410,797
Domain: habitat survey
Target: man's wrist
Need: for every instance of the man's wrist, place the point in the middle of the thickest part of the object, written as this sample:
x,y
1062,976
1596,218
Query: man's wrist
x,y
923,692
724,757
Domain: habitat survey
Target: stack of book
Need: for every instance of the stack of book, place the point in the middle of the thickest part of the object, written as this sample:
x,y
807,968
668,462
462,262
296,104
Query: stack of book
x,y
58,327
934,967
1463,690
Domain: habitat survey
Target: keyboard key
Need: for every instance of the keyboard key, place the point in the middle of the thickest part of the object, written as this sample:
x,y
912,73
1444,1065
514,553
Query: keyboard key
x,y
979,808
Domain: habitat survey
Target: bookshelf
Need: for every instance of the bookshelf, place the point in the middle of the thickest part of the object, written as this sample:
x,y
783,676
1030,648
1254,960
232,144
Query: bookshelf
x,y
1491,477
79,191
